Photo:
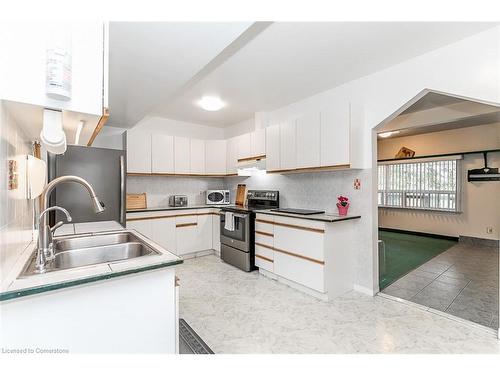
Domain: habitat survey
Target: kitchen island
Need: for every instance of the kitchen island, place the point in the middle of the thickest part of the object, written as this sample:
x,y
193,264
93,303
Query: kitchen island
x,y
312,253
120,306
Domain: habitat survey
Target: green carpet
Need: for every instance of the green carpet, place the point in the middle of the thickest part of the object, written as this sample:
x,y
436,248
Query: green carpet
x,y
405,252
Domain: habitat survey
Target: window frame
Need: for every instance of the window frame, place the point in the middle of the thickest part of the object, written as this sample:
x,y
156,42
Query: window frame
x,y
404,192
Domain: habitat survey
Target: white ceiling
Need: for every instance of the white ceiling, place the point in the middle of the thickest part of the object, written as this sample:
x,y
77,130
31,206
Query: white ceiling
x,y
283,63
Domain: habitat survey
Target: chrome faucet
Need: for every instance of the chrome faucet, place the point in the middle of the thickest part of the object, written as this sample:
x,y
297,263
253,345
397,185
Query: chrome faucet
x,y
44,250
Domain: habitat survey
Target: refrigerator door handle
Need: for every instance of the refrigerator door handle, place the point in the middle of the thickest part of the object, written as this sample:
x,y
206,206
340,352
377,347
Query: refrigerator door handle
x,y
122,190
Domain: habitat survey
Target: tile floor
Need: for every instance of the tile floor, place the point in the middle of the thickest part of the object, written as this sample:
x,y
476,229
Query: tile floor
x,y
462,281
238,312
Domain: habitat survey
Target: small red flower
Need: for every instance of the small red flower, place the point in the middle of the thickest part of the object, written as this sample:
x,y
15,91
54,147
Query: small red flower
x,y
343,200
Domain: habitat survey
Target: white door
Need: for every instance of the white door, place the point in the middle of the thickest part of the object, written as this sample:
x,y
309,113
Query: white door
x,y
288,146
204,232
162,148
308,141
197,159
142,226
258,142
215,157
245,146
182,155
216,232
273,147
138,151
186,234
335,134
232,155
164,233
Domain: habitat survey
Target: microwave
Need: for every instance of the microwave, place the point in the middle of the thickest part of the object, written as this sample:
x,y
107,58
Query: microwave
x,y
218,197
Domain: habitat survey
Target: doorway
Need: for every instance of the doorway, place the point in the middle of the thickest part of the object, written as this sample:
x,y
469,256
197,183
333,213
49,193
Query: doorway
x,y
438,236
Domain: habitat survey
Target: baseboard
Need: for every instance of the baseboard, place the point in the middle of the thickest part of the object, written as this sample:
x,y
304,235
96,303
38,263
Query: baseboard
x,y
432,235
364,290
481,242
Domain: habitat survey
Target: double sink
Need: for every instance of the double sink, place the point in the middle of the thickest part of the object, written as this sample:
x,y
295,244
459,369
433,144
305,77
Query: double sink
x,y
85,250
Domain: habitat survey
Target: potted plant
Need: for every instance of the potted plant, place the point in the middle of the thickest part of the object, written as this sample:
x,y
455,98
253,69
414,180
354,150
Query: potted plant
x,y
343,205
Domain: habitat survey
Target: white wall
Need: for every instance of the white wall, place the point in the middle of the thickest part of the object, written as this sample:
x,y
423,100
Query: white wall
x,y
110,137
467,68
240,128
480,201
180,128
16,215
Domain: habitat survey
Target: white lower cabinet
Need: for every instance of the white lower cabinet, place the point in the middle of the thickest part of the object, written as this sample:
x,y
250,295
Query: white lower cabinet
x,y
144,227
216,231
164,233
306,253
186,234
204,232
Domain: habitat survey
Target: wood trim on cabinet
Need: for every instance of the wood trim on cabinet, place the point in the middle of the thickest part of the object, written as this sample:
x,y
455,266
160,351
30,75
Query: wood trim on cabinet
x,y
264,221
171,216
142,174
264,258
258,157
312,169
104,118
300,227
299,256
266,246
186,225
264,233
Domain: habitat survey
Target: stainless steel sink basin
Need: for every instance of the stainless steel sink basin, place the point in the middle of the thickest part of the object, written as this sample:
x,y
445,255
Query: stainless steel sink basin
x,y
79,251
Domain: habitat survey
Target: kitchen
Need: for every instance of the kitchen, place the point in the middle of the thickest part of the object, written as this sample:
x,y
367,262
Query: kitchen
x,y
231,190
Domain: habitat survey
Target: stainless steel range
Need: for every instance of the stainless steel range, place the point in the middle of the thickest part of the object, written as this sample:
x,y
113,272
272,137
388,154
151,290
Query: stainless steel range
x,y
237,237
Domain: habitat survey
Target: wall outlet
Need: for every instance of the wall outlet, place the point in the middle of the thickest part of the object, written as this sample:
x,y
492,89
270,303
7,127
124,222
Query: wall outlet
x,y
489,230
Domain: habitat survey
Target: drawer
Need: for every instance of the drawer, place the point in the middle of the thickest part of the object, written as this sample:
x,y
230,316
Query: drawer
x,y
264,239
264,252
261,226
300,224
188,219
265,217
303,243
301,271
264,263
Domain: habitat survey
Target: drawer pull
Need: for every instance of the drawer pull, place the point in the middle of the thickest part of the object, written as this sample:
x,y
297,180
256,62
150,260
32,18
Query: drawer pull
x,y
185,225
262,245
264,258
264,221
300,256
264,233
300,227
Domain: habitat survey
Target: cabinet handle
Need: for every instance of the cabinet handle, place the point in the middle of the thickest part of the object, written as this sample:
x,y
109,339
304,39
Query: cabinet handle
x,y
185,225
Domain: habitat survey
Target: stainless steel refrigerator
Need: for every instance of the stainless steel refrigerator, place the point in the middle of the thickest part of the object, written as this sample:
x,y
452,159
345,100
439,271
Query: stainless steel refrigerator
x,y
103,168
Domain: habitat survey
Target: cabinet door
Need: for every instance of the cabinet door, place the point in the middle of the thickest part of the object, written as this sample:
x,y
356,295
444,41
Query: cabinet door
x,y
245,146
164,233
142,226
138,151
258,142
308,141
288,146
162,149
186,234
273,147
182,155
216,232
232,155
215,157
204,232
197,159
335,135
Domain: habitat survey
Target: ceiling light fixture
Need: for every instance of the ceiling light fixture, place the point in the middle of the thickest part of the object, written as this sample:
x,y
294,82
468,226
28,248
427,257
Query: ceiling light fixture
x,y
388,134
211,103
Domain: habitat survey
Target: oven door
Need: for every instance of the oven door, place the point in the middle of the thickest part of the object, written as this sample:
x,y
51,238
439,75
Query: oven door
x,y
240,237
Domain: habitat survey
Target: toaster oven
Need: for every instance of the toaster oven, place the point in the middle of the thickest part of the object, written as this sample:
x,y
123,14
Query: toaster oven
x,y
218,197
178,201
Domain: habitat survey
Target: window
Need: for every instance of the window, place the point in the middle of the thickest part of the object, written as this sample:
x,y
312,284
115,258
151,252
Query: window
x,y
424,185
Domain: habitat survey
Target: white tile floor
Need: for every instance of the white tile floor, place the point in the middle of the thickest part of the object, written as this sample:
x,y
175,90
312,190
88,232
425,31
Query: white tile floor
x,y
238,312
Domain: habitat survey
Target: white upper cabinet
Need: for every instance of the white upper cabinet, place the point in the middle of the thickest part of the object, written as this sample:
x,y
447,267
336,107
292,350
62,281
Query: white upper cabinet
x,y
288,145
258,142
232,155
273,148
245,146
308,141
138,151
335,135
162,153
215,157
182,155
197,159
